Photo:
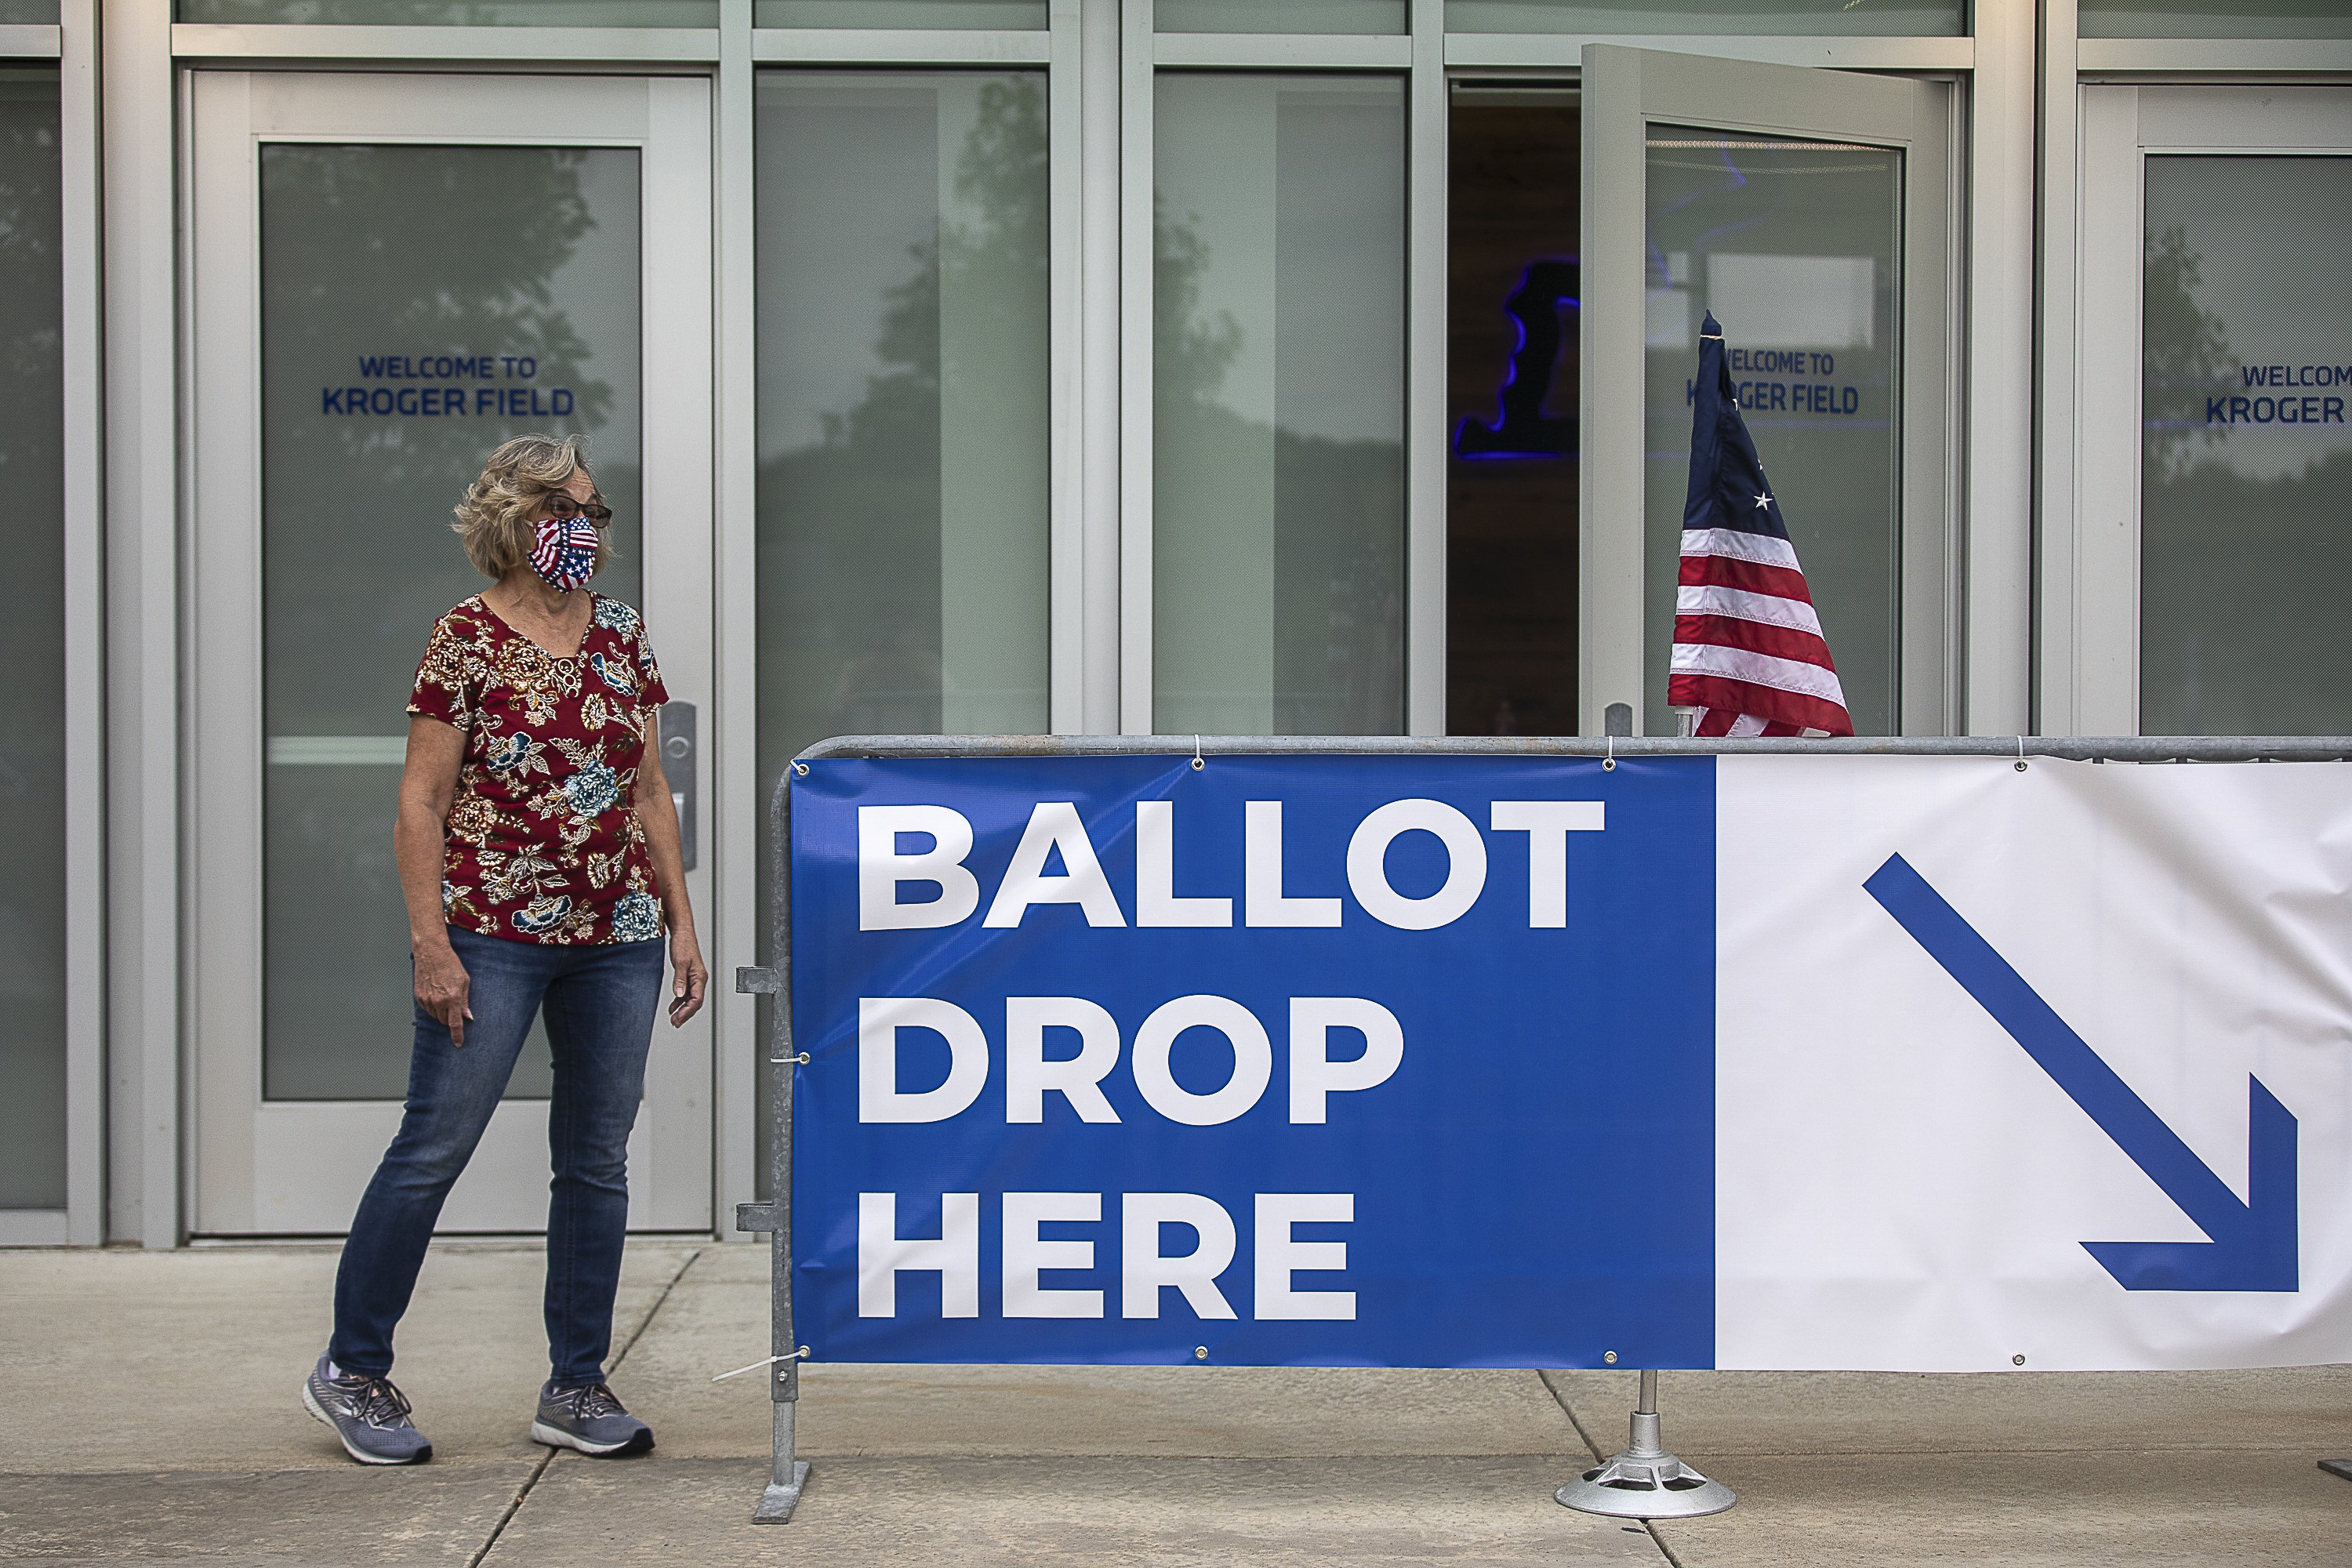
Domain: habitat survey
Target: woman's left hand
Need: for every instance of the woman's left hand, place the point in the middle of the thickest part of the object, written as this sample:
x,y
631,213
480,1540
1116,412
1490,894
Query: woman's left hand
x,y
689,976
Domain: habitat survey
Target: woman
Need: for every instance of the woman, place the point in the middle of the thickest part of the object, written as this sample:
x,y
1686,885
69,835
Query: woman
x,y
539,855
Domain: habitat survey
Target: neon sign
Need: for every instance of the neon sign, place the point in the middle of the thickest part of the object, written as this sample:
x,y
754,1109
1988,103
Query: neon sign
x,y
1522,428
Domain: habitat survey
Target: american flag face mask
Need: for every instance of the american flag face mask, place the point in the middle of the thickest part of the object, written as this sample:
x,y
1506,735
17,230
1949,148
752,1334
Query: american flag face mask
x,y
565,553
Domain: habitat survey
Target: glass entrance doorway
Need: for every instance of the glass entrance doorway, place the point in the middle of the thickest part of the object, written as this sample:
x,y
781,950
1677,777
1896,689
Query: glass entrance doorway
x,y
1808,211
429,282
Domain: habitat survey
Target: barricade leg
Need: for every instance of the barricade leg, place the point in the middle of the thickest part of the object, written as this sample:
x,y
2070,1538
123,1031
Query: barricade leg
x,y
1646,1481
788,1472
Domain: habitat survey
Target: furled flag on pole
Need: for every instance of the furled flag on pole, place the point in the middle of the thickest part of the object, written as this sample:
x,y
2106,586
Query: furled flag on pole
x,y
1749,651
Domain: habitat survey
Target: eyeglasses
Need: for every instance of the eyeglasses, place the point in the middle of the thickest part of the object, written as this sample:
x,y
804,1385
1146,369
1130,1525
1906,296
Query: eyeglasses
x,y
562,503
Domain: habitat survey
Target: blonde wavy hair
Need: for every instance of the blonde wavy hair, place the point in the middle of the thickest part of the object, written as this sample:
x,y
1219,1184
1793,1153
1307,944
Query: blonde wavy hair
x,y
498,516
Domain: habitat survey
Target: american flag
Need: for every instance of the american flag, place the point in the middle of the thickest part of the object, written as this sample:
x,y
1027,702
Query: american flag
x,y
1749,651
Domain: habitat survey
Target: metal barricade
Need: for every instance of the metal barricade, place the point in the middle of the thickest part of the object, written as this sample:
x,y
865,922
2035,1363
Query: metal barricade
x,y
1646,1481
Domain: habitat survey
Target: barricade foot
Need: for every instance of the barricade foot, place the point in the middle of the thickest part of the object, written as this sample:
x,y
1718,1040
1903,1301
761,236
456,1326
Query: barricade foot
x,y
1646,1481
1647,1486
776,1504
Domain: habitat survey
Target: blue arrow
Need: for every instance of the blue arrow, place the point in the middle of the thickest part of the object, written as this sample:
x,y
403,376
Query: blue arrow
x,y
2254,1244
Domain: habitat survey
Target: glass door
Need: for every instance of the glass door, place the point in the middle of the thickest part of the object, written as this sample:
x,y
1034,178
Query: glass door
x,y
1809,211
392,275
2207,578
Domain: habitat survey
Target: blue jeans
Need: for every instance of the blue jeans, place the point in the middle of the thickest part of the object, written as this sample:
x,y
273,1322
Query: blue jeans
x,y
598,1003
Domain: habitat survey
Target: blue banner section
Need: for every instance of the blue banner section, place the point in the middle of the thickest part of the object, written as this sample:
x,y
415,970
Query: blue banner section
x,y
1336,1061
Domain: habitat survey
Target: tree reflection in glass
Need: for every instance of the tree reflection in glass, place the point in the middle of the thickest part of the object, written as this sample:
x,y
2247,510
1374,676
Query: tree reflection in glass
x,y
1278,406
902,379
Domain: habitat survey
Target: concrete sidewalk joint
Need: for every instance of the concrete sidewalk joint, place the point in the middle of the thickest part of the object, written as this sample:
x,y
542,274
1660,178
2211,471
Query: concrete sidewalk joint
x,y
531,1482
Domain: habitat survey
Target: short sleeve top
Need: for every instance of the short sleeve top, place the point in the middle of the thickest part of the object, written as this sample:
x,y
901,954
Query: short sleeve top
x,y
544,844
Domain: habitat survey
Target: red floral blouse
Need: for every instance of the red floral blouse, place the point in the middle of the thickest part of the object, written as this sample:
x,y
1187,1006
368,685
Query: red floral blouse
x,y
543,843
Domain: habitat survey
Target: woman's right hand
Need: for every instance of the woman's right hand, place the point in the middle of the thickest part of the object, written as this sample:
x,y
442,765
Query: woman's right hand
x,y
442,989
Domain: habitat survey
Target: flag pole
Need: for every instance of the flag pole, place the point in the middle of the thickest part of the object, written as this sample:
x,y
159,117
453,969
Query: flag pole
x,y
1646,1481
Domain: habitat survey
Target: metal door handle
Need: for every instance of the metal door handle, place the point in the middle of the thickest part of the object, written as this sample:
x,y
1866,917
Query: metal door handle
x,y
678,750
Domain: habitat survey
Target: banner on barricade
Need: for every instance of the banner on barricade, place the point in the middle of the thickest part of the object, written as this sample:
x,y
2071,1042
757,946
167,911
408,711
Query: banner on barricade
x,y
1775,1062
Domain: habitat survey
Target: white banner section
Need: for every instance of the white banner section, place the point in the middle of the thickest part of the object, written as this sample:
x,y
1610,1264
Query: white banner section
x,y
2004,1058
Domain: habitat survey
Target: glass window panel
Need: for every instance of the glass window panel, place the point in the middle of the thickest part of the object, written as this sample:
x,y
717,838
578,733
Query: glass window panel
x,y
505,279
2213,19
1901,18
1511,502
462,13
1011,16
1279,17
1278,405
2246,452
32,649
903,502
34,11
1796,248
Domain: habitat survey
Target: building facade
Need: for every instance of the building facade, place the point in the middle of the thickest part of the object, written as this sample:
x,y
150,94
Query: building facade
x,y
1220,366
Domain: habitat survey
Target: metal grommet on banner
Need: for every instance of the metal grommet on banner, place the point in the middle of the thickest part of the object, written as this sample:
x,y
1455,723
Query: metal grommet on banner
x,y
2021,753
802,1057
801,768
1197,764
1609,1356
1609,763
1200,1353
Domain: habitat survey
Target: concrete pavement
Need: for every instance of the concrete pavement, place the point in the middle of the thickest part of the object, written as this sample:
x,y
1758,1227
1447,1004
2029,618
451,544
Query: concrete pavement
x,y
148,1410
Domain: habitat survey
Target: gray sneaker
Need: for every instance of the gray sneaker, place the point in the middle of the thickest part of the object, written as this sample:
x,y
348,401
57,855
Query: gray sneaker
x,y
591,1418
368,1414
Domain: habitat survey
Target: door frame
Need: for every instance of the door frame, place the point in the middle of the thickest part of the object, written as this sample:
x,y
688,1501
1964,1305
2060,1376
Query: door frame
x,y
2091,597
256,1165
1623,90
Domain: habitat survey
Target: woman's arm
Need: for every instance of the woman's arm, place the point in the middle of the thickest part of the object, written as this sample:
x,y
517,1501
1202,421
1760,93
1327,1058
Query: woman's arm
x,y
658,814
419,841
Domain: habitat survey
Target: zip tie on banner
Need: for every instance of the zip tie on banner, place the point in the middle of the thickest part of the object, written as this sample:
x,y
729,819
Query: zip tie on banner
x,y
802,1057
1609,763
2021,753
1197,764
800,1354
